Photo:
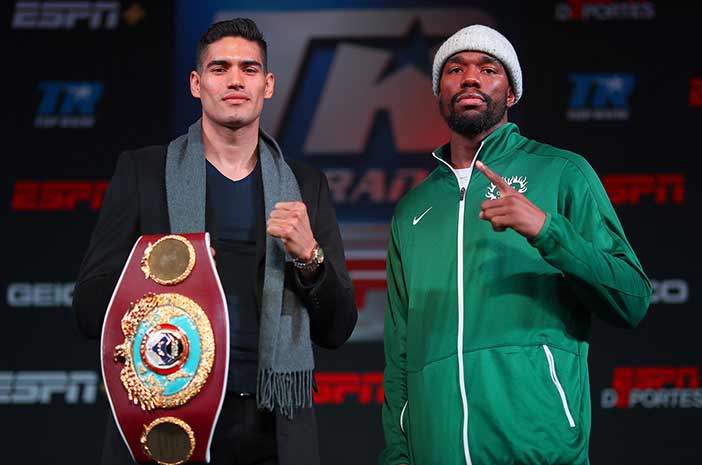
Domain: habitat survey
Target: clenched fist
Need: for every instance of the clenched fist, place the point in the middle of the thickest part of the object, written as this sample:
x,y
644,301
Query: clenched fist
x,y
289,222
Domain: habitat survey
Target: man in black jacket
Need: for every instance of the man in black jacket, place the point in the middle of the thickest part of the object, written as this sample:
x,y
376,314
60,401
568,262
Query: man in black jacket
x,y
228,177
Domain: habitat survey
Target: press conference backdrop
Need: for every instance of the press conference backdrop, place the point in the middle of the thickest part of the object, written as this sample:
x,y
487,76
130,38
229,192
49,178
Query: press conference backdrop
x,y
619,82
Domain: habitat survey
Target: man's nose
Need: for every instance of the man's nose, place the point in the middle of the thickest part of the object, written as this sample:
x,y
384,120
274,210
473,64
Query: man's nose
x,y
471,78
235,80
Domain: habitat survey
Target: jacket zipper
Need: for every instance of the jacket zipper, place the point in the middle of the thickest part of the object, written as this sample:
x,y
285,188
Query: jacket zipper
x,y
402,417
557,383
459,282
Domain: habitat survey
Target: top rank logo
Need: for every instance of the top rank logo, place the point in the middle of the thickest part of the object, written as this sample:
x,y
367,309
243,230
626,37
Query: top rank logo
x,y
600,97
72,15
605,10
68,104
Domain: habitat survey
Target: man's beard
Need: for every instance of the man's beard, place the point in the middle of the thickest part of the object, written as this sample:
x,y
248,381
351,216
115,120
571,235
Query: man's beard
x,y
476,122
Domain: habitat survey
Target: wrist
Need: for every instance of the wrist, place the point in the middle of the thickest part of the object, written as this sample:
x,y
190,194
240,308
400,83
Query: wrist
x,y
537,227
538,239
307,257
312,262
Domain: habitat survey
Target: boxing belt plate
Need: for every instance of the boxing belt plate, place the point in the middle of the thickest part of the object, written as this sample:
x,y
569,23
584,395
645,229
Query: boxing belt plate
x,y
165,349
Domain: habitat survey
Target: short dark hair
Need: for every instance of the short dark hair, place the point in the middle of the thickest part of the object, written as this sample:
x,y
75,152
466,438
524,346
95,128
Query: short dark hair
x,y
237,27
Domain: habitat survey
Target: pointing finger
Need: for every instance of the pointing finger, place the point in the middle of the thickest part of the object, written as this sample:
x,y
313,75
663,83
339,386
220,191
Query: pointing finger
x,y
496,179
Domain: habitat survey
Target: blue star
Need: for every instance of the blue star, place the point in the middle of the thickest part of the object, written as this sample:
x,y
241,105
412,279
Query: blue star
x,y
413,49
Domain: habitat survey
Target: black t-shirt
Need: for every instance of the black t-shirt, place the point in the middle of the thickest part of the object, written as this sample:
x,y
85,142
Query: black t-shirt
x,y
233,210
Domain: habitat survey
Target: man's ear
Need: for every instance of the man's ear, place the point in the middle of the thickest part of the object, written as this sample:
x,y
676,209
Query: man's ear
x,y
511,98
195,84
270,86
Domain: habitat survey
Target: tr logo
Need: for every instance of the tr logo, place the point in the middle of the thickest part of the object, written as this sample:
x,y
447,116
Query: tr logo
x,y
68,104
602,97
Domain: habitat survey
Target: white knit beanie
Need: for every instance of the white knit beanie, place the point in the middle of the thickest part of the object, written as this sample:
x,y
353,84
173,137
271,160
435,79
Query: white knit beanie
x,y
479,38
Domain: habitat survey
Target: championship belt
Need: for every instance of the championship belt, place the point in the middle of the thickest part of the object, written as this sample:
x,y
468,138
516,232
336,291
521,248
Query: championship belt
x,y
165,349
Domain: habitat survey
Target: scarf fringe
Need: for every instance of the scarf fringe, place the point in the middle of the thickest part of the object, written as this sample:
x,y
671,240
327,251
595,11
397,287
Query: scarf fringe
x,y
289,390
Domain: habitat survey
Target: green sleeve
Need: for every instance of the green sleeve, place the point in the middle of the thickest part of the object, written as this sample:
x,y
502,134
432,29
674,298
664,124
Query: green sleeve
x,y
395,379
585,240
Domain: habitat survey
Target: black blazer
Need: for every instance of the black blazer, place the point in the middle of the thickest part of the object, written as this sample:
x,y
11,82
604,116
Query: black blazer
x,y
135,204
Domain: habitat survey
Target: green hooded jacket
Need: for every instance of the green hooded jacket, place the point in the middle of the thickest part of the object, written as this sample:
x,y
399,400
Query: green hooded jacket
x,y
486,332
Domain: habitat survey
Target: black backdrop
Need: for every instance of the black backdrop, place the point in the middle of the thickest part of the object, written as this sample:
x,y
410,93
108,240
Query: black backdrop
x,y
619,82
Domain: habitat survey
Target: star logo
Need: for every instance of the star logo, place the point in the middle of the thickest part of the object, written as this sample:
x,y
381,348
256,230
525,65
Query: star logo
x,y
133,14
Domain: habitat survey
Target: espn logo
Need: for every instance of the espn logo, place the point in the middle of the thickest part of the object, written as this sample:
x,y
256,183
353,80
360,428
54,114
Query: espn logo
x,y
45,387
653,387
628,189
347,387
65,15
47,196
605,10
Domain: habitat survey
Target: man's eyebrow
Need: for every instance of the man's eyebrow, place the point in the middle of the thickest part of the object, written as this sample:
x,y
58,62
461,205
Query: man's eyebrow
x,y
227,63
485,59
224,63
245,63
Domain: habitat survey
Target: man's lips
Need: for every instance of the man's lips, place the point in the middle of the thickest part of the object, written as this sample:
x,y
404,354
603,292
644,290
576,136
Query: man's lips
x,y
235,98
470,99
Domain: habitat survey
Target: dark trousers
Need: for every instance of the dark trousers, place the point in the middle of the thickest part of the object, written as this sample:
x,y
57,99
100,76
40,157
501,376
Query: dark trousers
x,y
243,435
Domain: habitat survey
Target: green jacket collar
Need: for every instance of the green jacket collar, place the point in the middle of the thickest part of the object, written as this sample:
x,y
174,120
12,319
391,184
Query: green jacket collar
x,y
501,142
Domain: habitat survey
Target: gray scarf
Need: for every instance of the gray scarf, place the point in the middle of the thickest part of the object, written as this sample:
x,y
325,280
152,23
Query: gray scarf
x,y
285,359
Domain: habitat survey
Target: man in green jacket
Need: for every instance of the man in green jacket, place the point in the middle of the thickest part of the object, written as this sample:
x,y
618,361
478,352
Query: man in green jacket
x,y
492,281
